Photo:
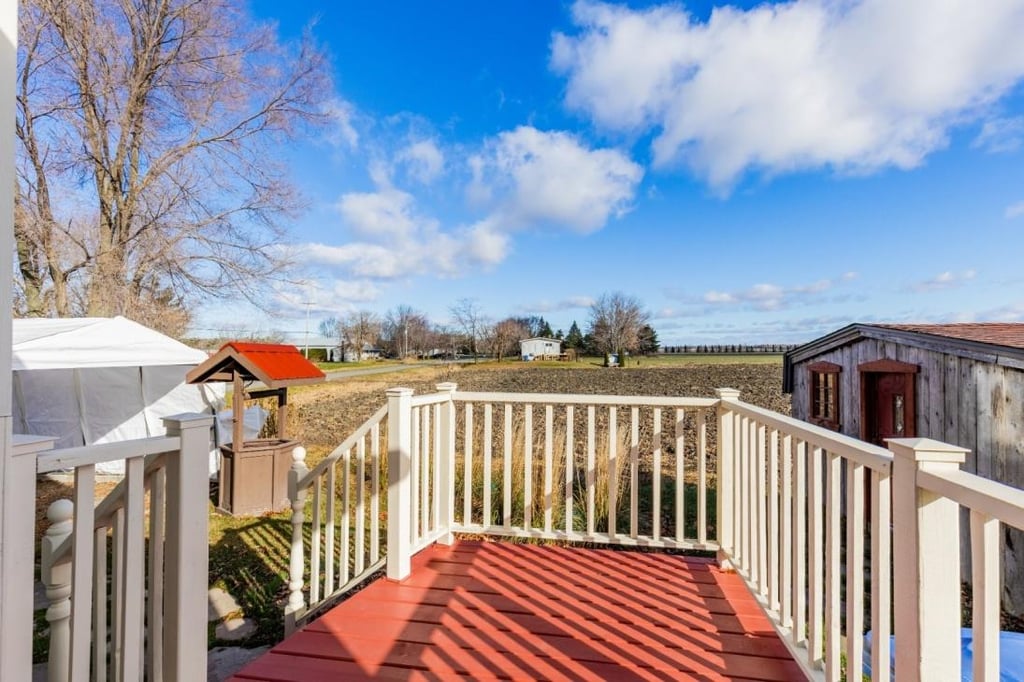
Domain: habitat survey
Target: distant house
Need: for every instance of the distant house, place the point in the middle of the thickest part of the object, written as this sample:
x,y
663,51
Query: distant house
x,y
540,348
367,352
957,383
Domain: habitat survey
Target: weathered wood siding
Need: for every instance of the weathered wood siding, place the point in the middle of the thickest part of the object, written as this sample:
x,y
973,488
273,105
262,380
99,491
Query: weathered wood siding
x,y
972,403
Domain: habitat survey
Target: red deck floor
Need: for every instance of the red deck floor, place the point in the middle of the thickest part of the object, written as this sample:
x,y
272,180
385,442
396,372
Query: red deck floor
x,y
503,611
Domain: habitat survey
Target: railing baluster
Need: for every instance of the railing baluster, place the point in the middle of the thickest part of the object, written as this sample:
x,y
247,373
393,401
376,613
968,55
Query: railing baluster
x,y
591,472
83,568
985,579
375,493
314,545
331,555
700,417
436,493
360,506
100,609
832,570
425,459
761,512
117,595
680,486
488,437
815,557
854,561
613,470
467,467
800,543
773,519
743,466
656,478
549,418
506,481
570,465
414,479
134,572
634,469
528,467
344,556
881,575
315,578
155,592
737,505
786,541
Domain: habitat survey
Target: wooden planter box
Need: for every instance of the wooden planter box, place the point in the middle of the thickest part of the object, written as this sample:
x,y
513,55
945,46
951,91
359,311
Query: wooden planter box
x,y
255,480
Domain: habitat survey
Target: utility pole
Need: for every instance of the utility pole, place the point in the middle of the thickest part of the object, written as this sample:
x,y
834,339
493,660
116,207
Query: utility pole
x,y
307,304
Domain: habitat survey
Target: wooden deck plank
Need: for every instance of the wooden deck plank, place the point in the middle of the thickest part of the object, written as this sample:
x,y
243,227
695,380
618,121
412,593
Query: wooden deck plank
x,y
488,610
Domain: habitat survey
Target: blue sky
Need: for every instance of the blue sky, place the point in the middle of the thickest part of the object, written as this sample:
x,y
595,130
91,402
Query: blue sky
x,y
757,172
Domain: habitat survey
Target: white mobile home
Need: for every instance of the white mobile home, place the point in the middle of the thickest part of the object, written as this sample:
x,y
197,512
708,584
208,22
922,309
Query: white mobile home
x,y
540,348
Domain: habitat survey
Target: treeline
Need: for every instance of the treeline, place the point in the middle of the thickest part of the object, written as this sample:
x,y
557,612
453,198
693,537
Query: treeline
x,y
723,349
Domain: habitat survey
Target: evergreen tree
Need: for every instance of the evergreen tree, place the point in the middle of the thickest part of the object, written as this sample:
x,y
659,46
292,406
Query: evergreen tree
x,y
648,340
574,339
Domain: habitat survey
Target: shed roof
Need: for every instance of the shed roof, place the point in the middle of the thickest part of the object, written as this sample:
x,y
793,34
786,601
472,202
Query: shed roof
x,y
1000,343
997,333
274,365
541,338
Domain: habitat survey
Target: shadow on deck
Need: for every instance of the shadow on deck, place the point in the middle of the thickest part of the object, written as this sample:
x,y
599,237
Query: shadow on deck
x,y
492,610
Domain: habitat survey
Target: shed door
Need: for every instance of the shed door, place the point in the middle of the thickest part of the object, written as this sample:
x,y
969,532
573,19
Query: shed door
x,y
888,404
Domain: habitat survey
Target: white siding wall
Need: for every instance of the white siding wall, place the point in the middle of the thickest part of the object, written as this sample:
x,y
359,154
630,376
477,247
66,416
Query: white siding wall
x,y
540,347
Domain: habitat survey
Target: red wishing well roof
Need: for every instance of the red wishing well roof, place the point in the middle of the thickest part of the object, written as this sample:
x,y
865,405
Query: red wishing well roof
x,y
276,365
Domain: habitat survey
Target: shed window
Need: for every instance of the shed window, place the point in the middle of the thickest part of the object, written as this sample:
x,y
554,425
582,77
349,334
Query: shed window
x,y
825,394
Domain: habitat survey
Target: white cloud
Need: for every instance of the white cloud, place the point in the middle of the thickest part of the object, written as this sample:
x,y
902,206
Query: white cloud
x,y
1015,210
943,281
758,297
385,213
851,85
1001,135
552,179
568,303
342,115
423,160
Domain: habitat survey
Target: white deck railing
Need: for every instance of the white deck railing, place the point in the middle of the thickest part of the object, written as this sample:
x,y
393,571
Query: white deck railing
x,y
803,514
142,618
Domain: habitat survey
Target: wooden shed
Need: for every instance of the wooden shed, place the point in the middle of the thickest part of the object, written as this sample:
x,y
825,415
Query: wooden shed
x,y
957,383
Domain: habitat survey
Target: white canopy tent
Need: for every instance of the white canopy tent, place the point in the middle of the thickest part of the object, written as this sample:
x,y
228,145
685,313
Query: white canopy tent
x,y
100,380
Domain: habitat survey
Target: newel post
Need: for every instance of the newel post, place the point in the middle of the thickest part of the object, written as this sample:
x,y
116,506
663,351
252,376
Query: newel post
x,y
56,577
725,474
926,570
296,606
17,550
399,483
447,462
187,548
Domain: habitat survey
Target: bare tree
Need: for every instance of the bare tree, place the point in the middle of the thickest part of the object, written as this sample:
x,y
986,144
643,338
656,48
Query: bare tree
x,y
615,322
360,329
406,331
469,316
146,174
506,336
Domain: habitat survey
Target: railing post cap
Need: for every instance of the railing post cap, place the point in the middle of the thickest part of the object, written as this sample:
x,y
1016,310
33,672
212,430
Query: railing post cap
x,y
188,420
926,450
298,454
447,387
727,393
398,391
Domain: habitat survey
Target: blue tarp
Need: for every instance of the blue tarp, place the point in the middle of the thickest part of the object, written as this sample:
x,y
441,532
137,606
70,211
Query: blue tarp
x,y
1011,655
